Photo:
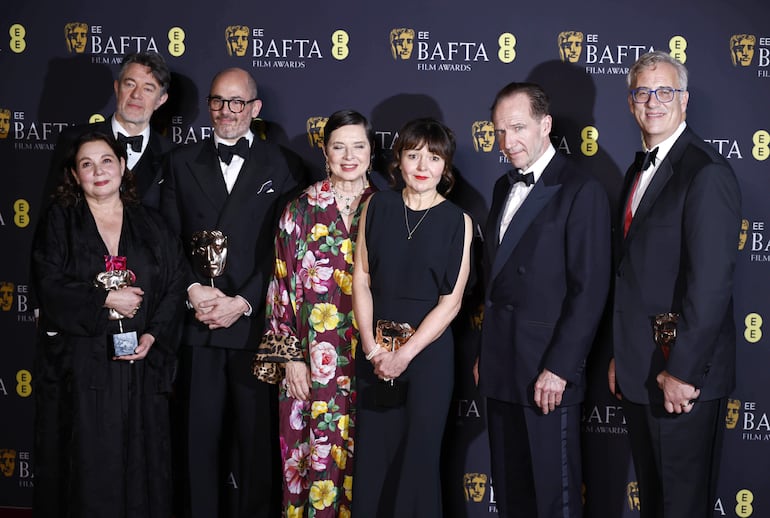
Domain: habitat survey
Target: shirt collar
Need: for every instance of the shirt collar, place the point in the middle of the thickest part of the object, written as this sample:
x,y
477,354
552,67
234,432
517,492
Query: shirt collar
x,y
118,128
249,136
665,146
541,163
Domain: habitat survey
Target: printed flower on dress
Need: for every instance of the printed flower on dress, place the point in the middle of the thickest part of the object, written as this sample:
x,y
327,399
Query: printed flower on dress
x,y
344,281
340,456
348,485
318,408
320,196
287,222
324,317
347,248
319,451
343,385
314,273
344,512
322,494
295,469
279,299
343,424
318,231
296,418
295,512
323,362
280,268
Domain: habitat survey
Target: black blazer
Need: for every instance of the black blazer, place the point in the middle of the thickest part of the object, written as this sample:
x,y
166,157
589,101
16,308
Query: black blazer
x,y
546,284
148,170
194,198
679,256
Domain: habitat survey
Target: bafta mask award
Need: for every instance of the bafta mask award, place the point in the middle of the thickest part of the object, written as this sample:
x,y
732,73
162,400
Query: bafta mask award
x,y
664,331
115,277
209,252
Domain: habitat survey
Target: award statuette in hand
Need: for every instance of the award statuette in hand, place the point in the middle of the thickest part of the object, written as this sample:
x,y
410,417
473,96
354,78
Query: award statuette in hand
x,y
115,277
209,253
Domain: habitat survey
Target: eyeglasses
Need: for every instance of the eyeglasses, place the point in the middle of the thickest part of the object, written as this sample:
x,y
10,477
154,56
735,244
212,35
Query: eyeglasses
x,y
234,105
664,94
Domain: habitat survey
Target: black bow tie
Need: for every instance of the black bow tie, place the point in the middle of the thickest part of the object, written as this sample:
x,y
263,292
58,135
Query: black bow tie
x,y
516,176
240,148
646,159
134,142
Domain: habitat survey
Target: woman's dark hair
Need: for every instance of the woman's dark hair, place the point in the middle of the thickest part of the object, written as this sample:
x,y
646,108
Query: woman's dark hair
x,y
68,193
342,118
429,132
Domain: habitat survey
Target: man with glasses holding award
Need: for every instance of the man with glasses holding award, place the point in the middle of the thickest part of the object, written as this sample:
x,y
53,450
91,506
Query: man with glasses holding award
x,y
223,196
673,330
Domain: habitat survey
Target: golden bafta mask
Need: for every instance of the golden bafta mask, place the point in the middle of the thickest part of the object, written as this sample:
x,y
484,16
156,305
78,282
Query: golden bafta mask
x,y
315,131
733,413
570,45
483,136
237,37
76,35
742,49
5,122
209,251
632,495
401,43
6,295
475,485
744,234
7,462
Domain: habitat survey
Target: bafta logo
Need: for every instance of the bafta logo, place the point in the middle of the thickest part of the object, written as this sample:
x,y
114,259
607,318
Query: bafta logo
x,y
237,37
315,131
475,485
5,122
7,462
744,234
632,495
209,252
76,35
570,46
733,413
401,43
6,295
483,136
742,49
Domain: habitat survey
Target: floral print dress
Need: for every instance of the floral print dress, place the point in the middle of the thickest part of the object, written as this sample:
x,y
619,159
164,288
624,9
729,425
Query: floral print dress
x,y
310,298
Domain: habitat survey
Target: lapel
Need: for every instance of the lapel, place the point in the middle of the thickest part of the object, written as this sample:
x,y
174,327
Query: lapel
x,y
547,186
252,179
208,174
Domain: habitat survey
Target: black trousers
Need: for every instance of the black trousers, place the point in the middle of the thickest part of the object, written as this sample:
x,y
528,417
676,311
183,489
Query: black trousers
x,y
676,457
536,466
220,400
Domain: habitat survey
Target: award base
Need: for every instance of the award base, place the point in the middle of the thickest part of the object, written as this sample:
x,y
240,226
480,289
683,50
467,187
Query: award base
x,y
125,343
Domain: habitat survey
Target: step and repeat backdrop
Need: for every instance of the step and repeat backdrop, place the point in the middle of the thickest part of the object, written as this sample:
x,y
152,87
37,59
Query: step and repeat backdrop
x,y
394,61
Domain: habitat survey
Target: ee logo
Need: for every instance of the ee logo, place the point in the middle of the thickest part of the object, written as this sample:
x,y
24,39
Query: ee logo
x,y
761,149
589,144
21,213
24,383
744,499
17,33
507,47
340,48
677,45
176,46
753,331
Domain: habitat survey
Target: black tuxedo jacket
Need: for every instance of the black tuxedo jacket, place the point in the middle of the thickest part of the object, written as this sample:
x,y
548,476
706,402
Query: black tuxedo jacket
x,y
546,284
679,256
194,198
148,171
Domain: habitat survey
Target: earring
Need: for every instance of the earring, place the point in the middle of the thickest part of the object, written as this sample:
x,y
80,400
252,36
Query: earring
x,y
328,170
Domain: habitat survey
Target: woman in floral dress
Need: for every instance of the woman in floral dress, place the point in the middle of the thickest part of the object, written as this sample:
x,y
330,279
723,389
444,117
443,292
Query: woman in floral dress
x,y
309,299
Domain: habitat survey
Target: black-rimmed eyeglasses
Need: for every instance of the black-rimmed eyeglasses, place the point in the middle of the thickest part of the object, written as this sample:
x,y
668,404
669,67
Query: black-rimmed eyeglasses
x,y
664,94
234,105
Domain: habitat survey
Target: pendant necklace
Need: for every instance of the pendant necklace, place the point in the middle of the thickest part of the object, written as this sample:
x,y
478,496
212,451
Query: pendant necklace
x,y
410,231
347,200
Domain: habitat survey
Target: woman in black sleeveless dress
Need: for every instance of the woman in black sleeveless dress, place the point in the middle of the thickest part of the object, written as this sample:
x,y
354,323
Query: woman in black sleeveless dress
x,y
412,264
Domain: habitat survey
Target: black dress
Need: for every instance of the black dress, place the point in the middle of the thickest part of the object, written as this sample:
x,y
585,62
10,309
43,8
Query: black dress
x,y
102,426
398,448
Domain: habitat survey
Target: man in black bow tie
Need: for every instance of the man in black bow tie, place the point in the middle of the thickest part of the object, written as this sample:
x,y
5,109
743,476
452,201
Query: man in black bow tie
x,y
238,184
547,266
676,254
141,88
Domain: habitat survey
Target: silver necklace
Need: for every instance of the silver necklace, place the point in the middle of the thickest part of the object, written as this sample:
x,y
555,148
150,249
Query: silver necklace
x,y
410,231
347,200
